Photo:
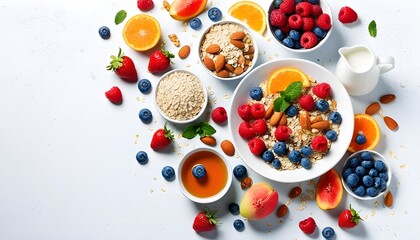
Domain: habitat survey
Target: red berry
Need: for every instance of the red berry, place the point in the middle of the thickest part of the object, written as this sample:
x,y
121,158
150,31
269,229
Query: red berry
x,y
282,133
287,6
322,90
114,95
219,115
246,131
308,40
347,15
145,5
257,146
306,102
316,11
278,18
295,21
286,28
257,110
307,225
324,21
244,111
260,126
308,24
304,9
319,143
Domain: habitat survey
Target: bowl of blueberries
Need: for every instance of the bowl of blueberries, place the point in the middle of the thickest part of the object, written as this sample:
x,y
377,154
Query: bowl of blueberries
x,y
300,26
366,175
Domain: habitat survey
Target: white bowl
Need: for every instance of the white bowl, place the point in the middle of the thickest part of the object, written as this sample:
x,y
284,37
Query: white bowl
x,y
338,148
246,30
325,8
376,156
211,175
203,107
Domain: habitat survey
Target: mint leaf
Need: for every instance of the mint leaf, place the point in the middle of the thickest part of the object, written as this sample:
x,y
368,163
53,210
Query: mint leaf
x,y
119,18
293,90
190,132
202,129
372,28
280,104
207,129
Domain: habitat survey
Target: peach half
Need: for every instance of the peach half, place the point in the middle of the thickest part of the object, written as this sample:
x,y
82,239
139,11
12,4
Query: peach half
x,y
184,10
259,201
329,190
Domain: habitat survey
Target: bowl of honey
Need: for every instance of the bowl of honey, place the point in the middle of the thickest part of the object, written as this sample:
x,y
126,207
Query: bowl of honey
x,y
213,184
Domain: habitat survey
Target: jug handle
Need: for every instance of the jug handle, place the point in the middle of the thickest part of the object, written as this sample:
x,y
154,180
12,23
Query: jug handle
x,y
385,63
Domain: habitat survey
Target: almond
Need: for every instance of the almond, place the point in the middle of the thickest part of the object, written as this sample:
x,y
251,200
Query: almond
x,y
321,125
238,71
275,118
229,67
227,147
241,60
316,119
282,211
269,112
238,44
208,62
373,108
223,73
251,50
213,49
184,52
246,183
219,63
283,119
237,35
304,120
295,192
391,123
209,140
388,199
387,98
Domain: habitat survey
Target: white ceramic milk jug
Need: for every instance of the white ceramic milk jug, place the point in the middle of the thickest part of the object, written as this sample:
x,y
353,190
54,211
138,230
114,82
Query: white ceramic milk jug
x,y
359,68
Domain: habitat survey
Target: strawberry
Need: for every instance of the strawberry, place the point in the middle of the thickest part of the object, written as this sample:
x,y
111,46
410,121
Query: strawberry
x,y
347,15
123,66
114,95
145,5
161,138
204,221
349,218
307,225
159,61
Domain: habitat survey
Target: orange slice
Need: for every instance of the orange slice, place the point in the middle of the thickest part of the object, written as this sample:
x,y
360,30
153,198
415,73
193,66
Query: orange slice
x,y
366,125
141,32
281,78
251,14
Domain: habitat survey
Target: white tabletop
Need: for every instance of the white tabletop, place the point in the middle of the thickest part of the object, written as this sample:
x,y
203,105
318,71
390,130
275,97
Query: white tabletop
x,y
67,155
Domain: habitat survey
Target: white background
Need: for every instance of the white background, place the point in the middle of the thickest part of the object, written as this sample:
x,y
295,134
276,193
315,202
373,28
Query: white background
x,y
67,155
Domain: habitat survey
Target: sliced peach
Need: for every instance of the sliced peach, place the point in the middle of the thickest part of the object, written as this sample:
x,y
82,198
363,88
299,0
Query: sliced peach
x,y
183,10
259,201
329,190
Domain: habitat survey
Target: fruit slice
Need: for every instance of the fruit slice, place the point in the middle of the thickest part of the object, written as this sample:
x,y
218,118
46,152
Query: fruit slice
x,y
329,190
259,201
141,32
184,10
281,78
251,14
366,125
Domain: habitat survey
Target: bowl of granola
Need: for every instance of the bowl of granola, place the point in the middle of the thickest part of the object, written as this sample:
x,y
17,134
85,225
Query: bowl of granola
x,y
227,50
291,120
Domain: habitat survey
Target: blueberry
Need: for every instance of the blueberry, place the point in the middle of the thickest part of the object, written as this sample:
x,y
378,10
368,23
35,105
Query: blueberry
x,y
288,42
347,172
199,171
276,163
367,164
294,35
384,176
367,181
379,183
360,191
104,32
234,208
291,111
306,163
294,156
373,172
144,86
371,191
331,135
366,156
239,171
280,148
360,139
306,151
277,3
320,33
322,105
267,156
296,45
352,180
142,157
313,1
168,173
360,171
380,166
328,233
214,14
279,34
145,115
239,225
298,1
354,162
256,93
195,23
335,117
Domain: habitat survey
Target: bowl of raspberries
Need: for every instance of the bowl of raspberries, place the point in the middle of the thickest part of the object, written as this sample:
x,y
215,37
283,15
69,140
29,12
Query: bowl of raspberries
x,y
300,26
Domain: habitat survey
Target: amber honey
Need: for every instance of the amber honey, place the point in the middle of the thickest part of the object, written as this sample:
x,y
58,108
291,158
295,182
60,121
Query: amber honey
x,y
213,182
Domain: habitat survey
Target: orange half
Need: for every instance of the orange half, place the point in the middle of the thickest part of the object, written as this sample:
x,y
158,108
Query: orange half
x,y
141,32
251,14
366,125
281,78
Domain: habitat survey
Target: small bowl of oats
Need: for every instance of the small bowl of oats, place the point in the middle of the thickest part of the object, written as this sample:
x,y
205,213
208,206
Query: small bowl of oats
x,y
227,50
180,96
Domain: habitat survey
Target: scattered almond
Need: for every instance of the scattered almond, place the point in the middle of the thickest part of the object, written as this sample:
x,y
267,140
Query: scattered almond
x,y
373,108
219,63
305,120
246,182
387,98
321,125
238,44
275,118
269,112
283,119
391,123
213,49
184,52
282,211
388,199
223,74
295,192
227,147
208,140
237,35
208,62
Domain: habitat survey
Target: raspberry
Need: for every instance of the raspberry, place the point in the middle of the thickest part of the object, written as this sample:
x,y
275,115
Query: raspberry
x,y
316,11
114,95
145,5
347,15
257,146
278,18
308,24
219,115
295,21
285,28
304,9
319,143
246,131
282,133
306,102
260,126
244,111
308,40
287,6
322,90
257,110
307,225
324,21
